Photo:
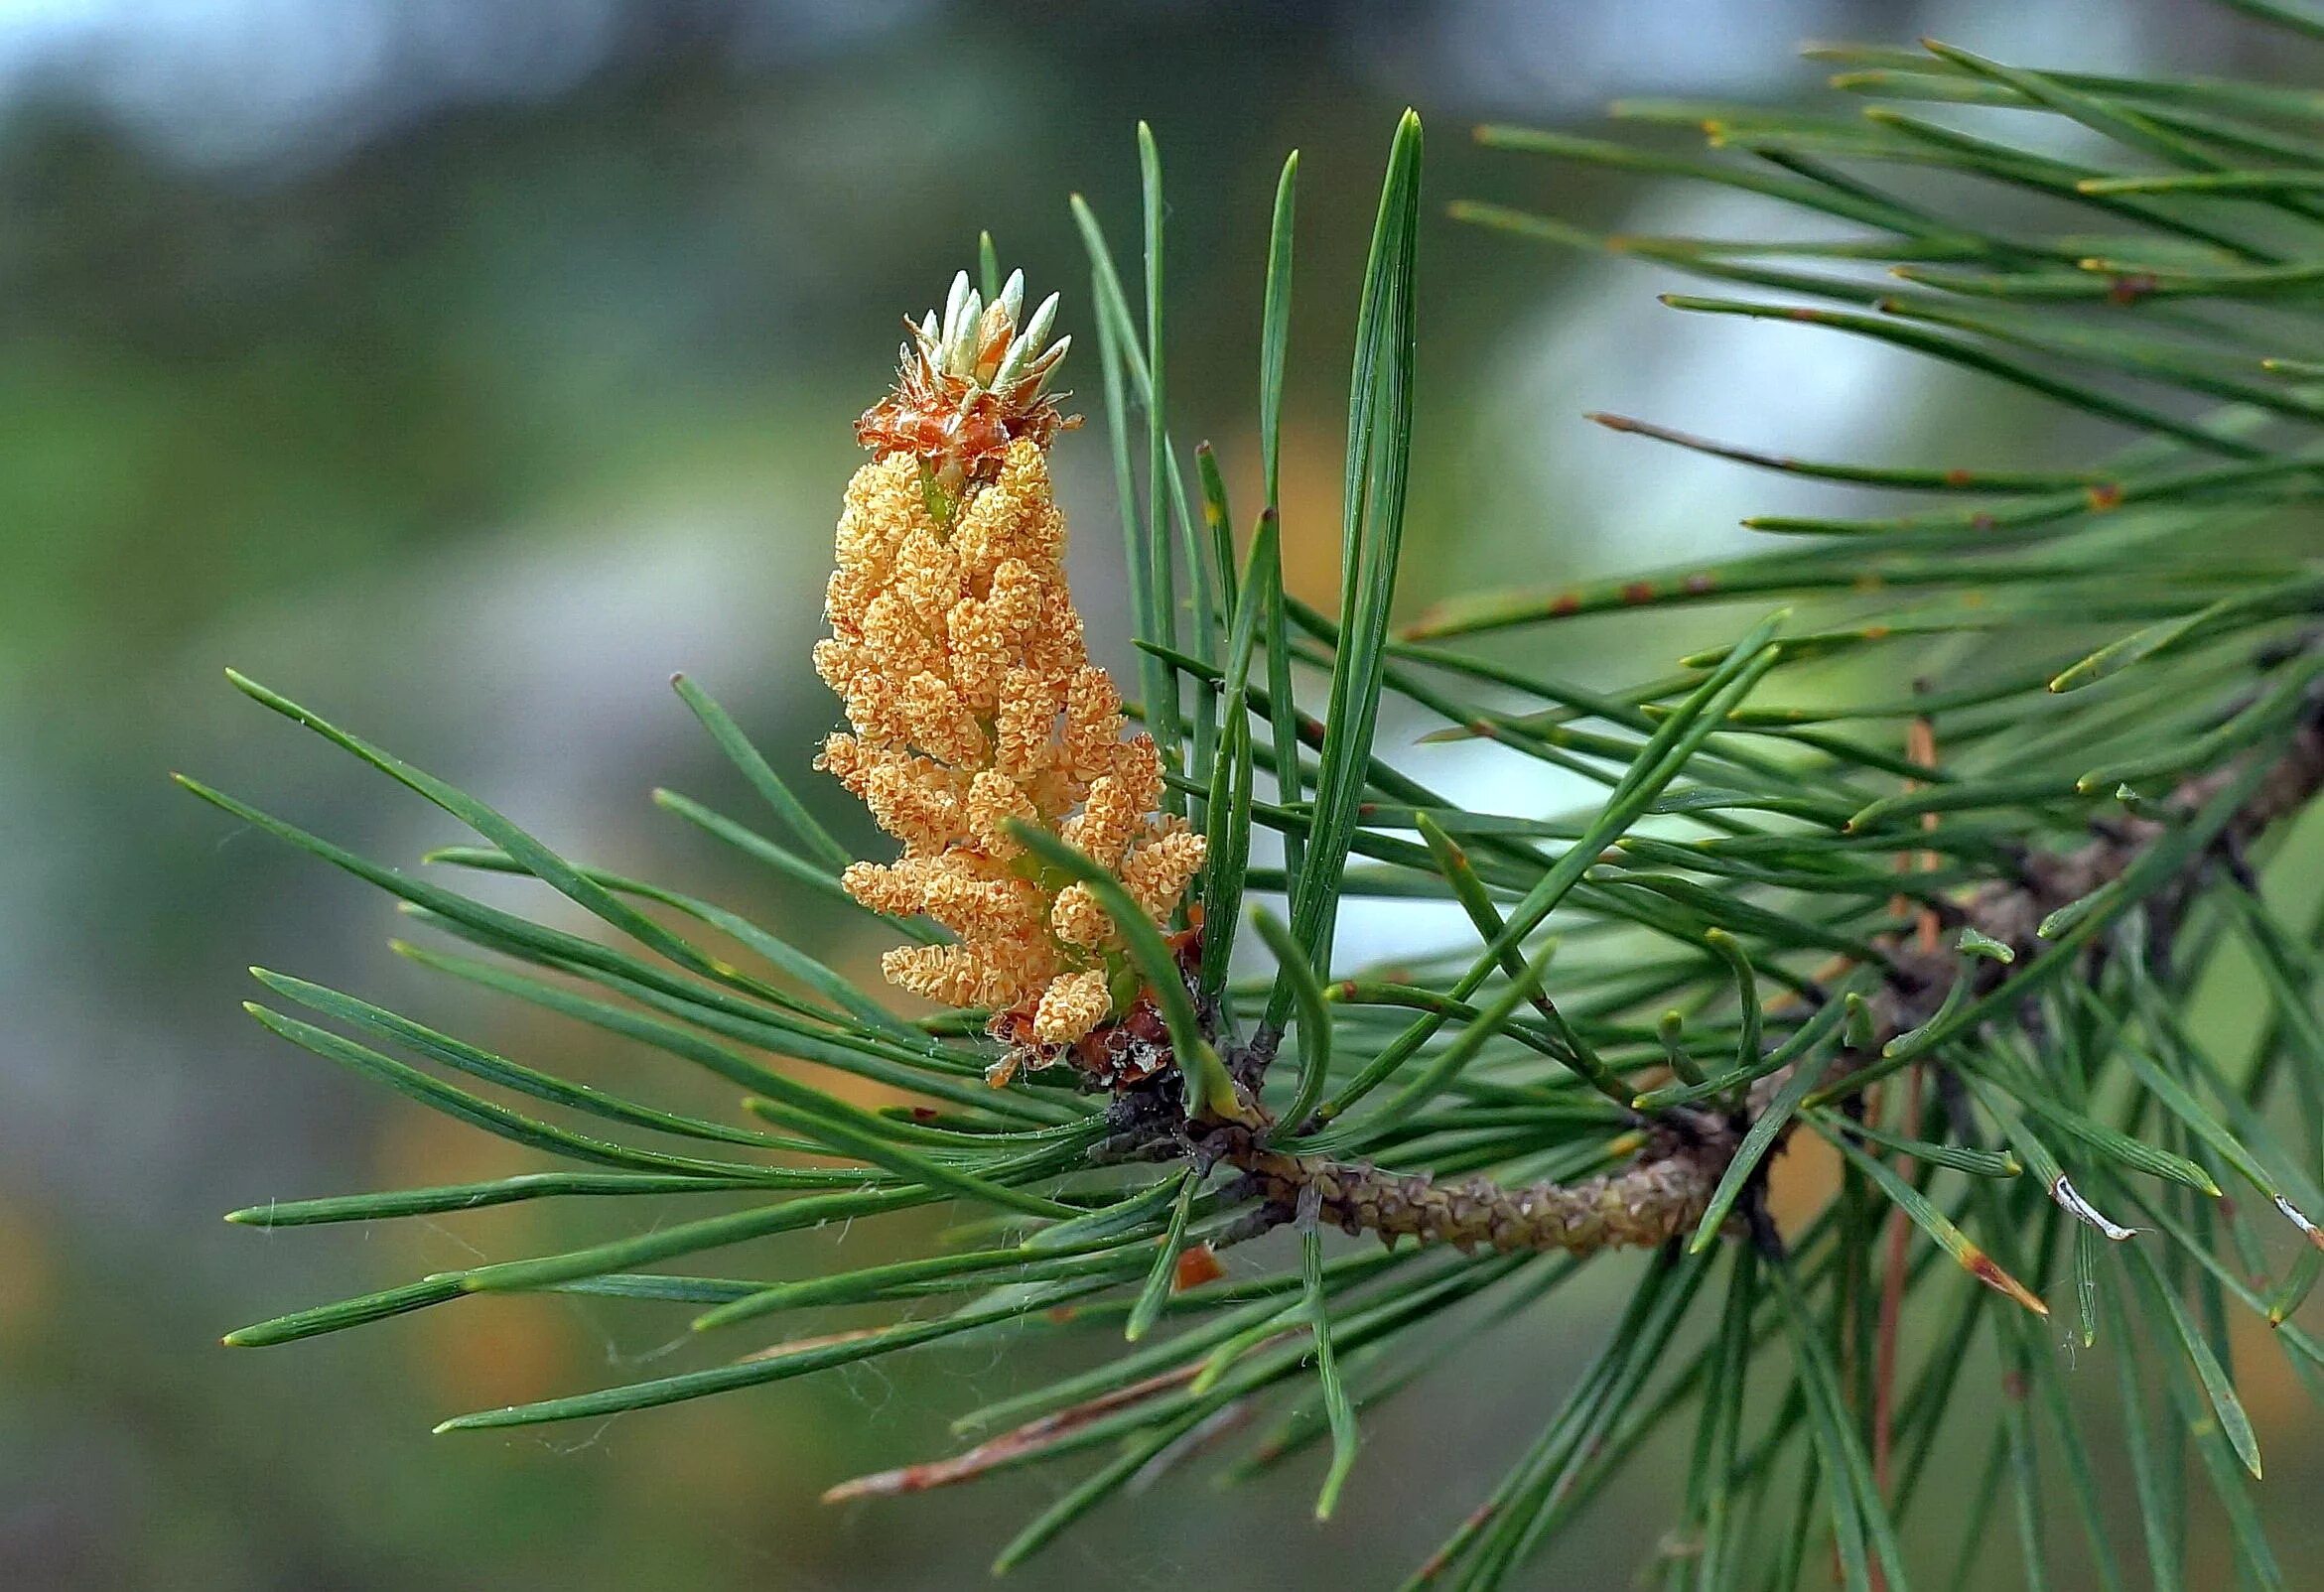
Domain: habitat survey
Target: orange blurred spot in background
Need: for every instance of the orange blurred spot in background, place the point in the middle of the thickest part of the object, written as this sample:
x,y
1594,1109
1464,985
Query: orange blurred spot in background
x,y
30,1270
1801,1182
1312,460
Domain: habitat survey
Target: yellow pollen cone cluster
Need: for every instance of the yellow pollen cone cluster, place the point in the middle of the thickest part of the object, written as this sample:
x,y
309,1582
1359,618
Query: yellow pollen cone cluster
x,y
957,648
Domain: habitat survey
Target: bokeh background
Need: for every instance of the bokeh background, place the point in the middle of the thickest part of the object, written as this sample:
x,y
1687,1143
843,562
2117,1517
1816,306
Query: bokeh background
x,y
465,366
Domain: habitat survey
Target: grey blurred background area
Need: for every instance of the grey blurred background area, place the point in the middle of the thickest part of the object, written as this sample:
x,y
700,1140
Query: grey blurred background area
x,y
463,367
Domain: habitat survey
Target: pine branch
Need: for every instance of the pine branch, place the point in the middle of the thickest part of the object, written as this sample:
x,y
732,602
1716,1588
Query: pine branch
x,y
1685,1153
1748,932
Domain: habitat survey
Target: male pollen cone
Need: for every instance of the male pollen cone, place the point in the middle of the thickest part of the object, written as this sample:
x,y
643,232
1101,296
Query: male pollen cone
x,y
957,649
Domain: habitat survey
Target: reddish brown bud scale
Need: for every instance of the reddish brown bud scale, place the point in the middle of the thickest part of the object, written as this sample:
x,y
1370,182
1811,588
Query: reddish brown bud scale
x,y
1118,1054
948,420
1198,1263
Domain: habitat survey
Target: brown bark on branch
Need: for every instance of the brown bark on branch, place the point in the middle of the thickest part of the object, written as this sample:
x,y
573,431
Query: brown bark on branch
x,y
1656,1197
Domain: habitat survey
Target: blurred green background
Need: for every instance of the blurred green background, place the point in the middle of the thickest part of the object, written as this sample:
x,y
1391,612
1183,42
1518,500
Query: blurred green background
x,y
463,367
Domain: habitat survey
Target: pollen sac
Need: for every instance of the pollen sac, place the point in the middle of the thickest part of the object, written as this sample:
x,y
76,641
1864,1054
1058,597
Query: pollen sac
x,y
972,703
